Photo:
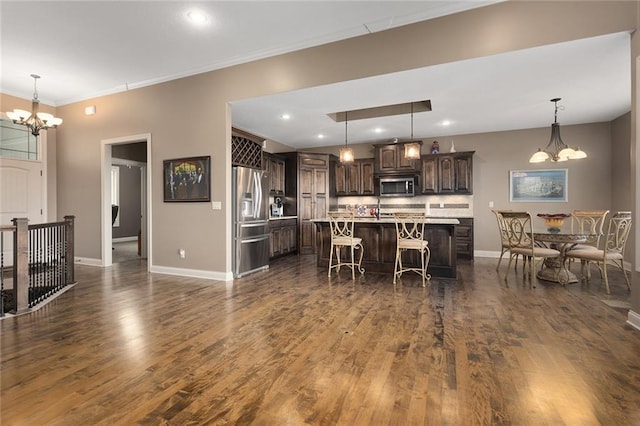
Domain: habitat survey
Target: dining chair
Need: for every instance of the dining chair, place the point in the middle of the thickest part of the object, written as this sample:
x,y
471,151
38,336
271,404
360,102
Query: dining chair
x,y
521,239
504,236
342,236
591,223
612,251
410,236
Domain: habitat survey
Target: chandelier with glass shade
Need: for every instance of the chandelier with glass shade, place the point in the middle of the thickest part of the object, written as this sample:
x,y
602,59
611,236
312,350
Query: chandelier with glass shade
x,y
34,120
556,150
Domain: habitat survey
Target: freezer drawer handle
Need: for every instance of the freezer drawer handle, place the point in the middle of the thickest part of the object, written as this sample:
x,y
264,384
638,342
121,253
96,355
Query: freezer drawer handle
x,y
254,240
248,225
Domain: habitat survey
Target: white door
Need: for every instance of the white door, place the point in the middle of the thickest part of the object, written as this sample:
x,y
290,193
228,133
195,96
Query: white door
x,y
20,190
21,195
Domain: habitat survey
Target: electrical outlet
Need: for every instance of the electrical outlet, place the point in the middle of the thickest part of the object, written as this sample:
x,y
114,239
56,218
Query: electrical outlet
x,y
182,253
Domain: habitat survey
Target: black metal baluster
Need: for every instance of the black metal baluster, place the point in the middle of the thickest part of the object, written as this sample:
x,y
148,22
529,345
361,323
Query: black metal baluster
x,y
1,274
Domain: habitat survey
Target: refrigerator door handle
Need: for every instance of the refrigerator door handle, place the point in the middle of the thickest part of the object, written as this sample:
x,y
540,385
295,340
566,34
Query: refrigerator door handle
x,y
256,178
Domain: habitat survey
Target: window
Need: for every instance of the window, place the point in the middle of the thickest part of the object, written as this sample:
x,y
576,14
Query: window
x,y
115,192
17,142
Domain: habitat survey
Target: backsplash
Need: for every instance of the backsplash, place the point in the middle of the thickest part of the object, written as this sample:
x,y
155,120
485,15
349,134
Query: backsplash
x,y
432,205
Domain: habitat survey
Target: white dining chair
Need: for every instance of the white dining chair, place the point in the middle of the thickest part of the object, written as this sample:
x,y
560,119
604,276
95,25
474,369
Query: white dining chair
x,y
519,230
611,253
590,223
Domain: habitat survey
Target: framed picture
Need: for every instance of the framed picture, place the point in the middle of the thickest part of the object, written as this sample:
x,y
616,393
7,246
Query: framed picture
x,y
187,179
538,185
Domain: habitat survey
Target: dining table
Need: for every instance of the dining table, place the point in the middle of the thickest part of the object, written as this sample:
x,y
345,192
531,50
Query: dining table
x,y
555,269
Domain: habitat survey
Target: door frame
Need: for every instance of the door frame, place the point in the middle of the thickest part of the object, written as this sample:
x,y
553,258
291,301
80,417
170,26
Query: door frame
x,y
145,183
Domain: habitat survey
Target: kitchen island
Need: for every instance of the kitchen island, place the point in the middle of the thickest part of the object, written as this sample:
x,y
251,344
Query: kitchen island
x,y
379,242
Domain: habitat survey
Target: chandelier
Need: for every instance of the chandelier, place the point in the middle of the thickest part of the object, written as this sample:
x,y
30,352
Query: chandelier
x,y
556,150
346,153
34,120
412,149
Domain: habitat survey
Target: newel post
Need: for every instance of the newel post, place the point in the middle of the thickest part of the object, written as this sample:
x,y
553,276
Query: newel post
x,y
21,265
69,249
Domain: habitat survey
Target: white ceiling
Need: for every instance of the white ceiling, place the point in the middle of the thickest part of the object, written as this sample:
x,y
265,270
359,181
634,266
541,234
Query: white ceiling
x,y
84,49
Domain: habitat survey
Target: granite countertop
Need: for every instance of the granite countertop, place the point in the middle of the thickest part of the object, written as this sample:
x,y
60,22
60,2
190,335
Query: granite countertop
x,y
372,219
282,217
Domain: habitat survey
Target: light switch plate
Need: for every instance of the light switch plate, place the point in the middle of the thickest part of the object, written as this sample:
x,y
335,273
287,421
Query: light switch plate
x,y
216,205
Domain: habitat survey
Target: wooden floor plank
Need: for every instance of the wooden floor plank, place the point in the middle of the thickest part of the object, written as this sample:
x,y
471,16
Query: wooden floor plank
x,y
290,346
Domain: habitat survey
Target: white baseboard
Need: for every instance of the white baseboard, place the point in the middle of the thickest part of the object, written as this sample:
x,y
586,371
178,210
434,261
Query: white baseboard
x,y
633,319
124,239
88,261
195,273
485,253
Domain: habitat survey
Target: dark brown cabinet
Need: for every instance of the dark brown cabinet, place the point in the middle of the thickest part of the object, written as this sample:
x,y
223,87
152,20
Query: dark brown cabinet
x,y
282,237
447,173
464,238
313,197
390,159
354,178
275,167
463,166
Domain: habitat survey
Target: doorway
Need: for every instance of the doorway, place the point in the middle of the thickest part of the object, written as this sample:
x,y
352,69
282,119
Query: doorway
x,y
127,200
112,152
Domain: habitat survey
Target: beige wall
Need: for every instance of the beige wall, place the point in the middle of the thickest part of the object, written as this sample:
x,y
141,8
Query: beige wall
x,y
167,112
621,193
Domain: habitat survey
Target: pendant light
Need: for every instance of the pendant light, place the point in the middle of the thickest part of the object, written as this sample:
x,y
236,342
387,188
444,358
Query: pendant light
x,y
556,150
34,120
346,153
412,149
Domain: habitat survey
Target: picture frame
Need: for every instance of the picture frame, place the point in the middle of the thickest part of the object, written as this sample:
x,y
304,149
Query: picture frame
x,y
550,185
187,179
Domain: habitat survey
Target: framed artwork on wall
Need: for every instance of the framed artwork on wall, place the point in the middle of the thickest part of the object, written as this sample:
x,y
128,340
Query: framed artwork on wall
x,y
187,179
549,185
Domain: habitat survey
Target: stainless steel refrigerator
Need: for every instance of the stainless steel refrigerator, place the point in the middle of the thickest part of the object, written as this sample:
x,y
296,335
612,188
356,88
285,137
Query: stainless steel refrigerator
x,y
250,221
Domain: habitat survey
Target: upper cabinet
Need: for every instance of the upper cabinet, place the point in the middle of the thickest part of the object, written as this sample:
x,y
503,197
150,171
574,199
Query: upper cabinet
x,y
354,178
389,159
450,173
274,165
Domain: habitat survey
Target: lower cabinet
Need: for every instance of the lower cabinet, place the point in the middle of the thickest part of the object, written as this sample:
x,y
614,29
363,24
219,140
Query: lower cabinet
x,y
283,237
464,238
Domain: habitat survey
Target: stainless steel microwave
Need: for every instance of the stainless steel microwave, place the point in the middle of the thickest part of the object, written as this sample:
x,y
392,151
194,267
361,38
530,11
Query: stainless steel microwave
x,y
397,186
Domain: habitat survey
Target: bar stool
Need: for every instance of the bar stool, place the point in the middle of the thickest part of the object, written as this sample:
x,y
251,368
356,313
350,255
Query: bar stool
x,y
341,224
410,236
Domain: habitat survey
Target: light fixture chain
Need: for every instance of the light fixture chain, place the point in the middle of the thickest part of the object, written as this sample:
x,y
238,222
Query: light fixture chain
x,y
412,121
35,85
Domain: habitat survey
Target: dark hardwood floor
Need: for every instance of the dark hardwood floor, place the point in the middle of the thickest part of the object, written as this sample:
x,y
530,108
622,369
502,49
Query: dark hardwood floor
x,y
290,347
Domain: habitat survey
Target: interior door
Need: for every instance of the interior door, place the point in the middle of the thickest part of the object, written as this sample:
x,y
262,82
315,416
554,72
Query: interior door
x,y
21,195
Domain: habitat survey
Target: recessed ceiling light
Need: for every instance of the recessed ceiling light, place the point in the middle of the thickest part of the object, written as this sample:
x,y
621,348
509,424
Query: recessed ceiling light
x,y
320,136
445,122
285,116
197,17
378,130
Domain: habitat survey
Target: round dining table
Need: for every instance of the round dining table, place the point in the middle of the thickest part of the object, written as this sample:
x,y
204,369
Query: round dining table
x,y
555,268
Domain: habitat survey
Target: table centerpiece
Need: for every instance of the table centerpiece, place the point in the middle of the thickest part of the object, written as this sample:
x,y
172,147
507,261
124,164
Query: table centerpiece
x,y
554,221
